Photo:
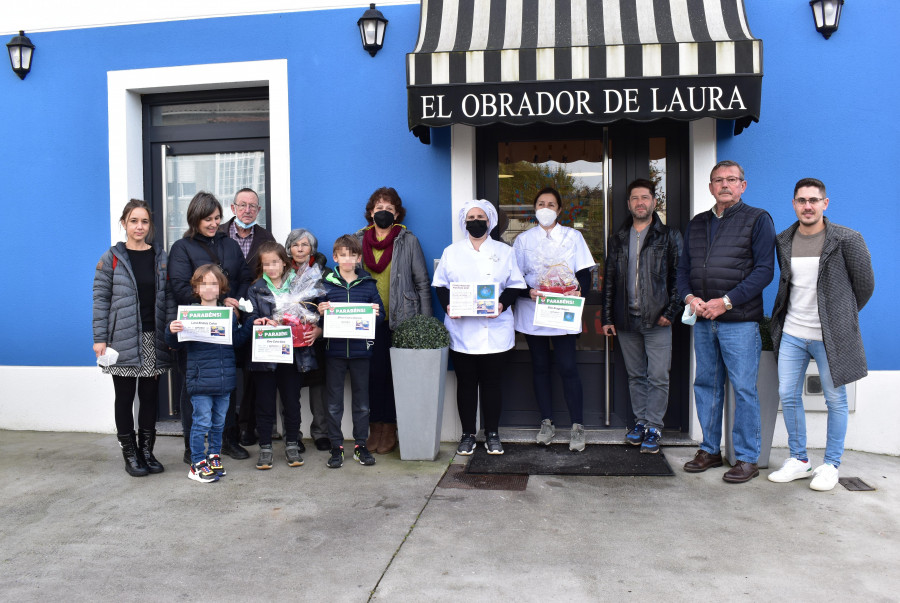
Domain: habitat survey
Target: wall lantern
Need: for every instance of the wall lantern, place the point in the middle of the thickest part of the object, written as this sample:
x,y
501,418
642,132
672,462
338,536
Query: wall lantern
x,y
827,14
20,52
371,27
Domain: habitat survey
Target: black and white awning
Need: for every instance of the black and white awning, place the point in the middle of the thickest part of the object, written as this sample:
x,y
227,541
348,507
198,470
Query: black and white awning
x,y
479,62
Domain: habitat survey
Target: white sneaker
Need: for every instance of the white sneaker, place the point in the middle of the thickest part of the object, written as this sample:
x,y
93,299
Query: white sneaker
x,y
791,469
576,438
825,477
546,433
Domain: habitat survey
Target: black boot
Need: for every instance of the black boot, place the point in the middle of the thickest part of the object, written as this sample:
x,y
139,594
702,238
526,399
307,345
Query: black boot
x,y
146,440
133,462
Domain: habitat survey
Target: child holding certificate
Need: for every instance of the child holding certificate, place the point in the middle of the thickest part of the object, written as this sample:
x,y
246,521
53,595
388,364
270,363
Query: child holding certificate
x,y
210,377
278,297
348,285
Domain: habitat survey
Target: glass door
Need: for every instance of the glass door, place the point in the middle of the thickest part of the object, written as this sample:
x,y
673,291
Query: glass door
x,y
590,166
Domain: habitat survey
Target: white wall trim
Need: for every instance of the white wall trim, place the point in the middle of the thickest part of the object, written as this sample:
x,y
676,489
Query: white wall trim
x,y
702,152
462,174
124,90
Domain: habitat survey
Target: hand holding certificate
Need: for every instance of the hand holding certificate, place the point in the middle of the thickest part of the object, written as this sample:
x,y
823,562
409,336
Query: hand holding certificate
x,y
474,299
558,311
211,324
349,321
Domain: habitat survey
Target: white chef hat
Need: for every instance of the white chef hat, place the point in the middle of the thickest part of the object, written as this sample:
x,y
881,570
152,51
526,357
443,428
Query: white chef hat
x,y
485,205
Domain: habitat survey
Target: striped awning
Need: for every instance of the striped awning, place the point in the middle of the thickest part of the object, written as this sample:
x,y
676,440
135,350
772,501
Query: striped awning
x,y
560,61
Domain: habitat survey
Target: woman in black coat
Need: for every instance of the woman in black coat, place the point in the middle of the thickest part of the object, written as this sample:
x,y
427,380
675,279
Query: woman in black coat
x,y
201,244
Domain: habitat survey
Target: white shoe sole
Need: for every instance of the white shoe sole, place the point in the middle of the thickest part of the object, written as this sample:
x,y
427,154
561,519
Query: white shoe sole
x,y
489,451
203,480
576,447
783,480
819,487
464,453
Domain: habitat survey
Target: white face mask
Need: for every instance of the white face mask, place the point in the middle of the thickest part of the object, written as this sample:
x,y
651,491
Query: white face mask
x,y
545,216
689,317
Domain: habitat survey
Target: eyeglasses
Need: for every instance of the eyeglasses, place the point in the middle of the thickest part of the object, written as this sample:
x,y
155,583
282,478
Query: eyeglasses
x,y
811,200
732,180
243,206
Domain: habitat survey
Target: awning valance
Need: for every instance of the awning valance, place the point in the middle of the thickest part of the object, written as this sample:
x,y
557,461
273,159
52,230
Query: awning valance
x,y
479,62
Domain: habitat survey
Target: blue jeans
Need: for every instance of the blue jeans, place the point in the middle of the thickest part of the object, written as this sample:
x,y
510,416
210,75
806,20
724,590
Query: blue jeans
x,y
793,359
733,347
648,356
208,417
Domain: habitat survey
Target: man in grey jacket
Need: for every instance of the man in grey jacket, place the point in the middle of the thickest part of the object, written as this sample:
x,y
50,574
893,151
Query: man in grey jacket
x,y
826,279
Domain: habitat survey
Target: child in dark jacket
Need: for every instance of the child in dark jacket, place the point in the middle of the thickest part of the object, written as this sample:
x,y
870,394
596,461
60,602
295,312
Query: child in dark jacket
x,y
210,376
347,284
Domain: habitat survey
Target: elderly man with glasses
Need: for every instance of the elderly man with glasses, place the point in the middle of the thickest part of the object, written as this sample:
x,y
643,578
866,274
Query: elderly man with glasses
x,y
243,227
728,259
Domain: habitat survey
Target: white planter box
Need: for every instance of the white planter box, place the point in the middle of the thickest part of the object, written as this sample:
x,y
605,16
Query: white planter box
x,y
419,377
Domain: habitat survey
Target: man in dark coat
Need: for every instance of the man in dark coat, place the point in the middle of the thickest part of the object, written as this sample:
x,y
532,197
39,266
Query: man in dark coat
x,y
826,279
728,259
243,227
640,301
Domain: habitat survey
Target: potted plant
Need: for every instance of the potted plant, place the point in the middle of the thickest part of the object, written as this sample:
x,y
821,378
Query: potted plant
x,y
767,387
419,353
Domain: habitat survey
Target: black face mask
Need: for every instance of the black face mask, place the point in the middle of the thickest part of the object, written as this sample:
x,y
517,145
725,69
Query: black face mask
x,y
383,219
477,228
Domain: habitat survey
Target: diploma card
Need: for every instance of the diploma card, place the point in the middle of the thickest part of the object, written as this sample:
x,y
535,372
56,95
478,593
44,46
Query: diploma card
x,y
474,299
272,344
558,311
350,321
211,324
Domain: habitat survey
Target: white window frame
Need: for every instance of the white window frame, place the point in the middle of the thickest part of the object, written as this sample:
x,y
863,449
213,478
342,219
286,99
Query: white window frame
x,y
126,158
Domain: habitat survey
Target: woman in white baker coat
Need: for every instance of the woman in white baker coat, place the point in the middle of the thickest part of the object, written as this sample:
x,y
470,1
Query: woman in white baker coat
x,y
535,248
479,345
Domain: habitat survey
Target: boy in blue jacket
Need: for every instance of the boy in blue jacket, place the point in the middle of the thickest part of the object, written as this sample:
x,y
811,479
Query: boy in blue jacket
x,y
210,376
346,284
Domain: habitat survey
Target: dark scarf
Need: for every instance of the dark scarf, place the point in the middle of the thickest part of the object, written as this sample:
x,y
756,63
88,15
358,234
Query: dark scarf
x,y
370,243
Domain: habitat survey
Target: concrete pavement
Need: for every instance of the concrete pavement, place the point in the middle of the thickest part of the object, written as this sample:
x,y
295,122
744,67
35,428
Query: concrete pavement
x,y
75,526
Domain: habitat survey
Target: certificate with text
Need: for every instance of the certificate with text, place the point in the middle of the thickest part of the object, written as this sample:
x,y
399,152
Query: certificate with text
x,y
350,321
474,299
272,344
558,311
211,324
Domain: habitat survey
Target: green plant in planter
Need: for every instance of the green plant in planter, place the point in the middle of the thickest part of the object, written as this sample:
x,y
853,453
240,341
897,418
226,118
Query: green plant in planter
x,y
421,333
765,324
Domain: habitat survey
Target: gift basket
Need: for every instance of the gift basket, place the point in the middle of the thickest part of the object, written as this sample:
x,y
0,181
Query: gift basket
x,y
554,272
297,308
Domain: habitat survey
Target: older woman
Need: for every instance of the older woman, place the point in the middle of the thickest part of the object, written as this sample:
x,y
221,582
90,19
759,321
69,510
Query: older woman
x,y
201,244
303,247
478,344
132,304
394,258
536,250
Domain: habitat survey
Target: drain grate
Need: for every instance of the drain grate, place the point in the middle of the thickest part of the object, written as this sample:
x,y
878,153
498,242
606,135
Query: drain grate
x,y
456,477
854,484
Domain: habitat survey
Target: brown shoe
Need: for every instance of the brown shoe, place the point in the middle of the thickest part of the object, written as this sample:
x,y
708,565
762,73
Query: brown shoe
x,y
703,461
388,438
741,472
375,431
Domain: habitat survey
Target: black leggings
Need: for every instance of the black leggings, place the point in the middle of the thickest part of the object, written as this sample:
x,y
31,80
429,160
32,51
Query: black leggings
x,y
148,393
476,372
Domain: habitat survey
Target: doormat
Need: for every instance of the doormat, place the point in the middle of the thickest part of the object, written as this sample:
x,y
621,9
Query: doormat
x,y
557,459
456,477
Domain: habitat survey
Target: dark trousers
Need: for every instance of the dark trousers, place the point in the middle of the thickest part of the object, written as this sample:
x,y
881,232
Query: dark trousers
x,y
382,408
336,369
147,389
187,407
246,416
479,373
564,352
287,381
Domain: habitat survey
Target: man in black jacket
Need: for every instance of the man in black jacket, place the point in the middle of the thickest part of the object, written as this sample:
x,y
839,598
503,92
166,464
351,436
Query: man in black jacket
x,y
243,227
826,279
728,259
640,301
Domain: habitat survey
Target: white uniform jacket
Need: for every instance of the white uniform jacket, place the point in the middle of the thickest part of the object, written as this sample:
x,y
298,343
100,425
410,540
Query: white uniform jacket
x,y
496,262
573,248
